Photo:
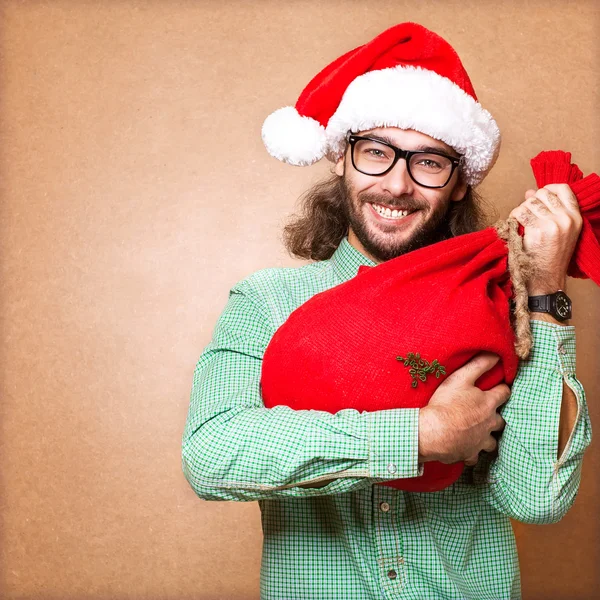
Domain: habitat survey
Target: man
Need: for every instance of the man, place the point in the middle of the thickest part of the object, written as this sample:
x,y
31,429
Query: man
x,y
399,118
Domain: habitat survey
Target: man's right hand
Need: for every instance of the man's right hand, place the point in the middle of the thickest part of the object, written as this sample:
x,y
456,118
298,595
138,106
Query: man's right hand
x,y
457,423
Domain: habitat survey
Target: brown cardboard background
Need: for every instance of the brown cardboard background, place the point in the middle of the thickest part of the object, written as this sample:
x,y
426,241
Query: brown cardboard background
x,y
122,231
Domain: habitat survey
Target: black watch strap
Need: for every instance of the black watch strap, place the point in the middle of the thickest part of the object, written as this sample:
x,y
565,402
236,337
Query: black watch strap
x,y
558,305
539,303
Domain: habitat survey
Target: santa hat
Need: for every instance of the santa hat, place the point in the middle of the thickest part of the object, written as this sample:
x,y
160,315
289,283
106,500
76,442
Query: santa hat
x,y
407,77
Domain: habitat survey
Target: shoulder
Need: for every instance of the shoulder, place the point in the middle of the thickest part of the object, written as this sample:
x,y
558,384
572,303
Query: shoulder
x,y
275,280
280,290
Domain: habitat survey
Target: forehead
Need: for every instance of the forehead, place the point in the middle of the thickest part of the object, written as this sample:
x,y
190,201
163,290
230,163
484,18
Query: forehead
x,y
408,139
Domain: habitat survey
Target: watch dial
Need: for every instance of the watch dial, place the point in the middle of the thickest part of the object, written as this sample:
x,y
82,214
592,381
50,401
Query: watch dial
x,y
562,305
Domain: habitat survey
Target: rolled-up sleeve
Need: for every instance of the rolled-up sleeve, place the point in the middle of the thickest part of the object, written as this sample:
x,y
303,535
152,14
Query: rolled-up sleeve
x,y
527,481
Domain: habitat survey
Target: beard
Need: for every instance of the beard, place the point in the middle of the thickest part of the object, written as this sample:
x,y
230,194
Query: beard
x,y
385,246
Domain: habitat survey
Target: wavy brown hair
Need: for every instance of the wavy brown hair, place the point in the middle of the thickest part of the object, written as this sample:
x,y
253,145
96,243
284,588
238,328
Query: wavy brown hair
x,y
317,230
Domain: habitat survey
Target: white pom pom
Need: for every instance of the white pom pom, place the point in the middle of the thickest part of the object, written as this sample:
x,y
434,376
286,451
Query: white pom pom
x,y
294,139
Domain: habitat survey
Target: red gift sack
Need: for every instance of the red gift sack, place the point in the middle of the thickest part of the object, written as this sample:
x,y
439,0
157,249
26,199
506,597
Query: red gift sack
x,y
390,336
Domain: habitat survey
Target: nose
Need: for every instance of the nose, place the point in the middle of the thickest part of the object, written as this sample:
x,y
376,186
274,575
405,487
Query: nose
x,y
398,182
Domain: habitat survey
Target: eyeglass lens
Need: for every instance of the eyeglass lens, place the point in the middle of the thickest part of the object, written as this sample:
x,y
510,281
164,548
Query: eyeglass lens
x,y
373,158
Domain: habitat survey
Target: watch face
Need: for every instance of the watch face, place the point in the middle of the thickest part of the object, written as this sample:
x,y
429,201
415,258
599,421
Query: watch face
x,y
563,305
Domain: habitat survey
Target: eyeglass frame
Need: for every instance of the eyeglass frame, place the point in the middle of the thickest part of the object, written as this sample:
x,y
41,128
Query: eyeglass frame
x,y
406,155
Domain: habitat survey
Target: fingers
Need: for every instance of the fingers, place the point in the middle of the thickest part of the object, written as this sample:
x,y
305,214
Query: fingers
x,y
565,195
472,370
552,199
523,215
544,201
540,205
472,460
499,423
499,394
490,444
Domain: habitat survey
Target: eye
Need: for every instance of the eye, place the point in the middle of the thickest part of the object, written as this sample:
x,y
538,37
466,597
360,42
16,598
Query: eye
x,y
430,164
373,151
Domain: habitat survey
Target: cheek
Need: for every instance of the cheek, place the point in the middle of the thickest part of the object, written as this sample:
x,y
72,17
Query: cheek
x,y
436,201
357,185
363,184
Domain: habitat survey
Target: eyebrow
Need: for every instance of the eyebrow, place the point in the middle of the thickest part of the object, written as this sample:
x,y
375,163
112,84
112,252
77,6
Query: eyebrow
x,y
424,147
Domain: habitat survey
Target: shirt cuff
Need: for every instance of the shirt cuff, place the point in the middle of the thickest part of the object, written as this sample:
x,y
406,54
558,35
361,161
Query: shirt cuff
x,y
554,346
393,437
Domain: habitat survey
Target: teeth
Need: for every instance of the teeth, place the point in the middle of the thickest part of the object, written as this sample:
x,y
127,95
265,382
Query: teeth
x,y
388,213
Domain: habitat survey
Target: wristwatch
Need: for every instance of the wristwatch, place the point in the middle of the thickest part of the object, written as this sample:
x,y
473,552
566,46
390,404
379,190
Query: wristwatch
x,y
558,305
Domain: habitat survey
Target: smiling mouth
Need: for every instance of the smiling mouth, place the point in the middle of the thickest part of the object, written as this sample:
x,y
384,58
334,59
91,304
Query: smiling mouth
x,y
389,213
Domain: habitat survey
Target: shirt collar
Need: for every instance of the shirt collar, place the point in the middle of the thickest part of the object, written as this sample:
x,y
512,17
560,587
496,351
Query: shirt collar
x,y
346,260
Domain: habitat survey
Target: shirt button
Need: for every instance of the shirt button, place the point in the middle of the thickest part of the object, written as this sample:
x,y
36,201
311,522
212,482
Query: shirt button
x,y
392,574
562,349
392,468
384,506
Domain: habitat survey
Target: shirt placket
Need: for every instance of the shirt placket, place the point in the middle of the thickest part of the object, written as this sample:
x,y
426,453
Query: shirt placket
x,y
390,547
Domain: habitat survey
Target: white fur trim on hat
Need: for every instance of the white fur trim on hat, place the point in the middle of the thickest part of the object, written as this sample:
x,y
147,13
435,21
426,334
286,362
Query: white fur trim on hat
x,y
292,138
419,99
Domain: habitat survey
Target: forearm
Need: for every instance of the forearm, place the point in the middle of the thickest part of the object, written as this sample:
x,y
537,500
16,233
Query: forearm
x,y
535,479
568,410
236,449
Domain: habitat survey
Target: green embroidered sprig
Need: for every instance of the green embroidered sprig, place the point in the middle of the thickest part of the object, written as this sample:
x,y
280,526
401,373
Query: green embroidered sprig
x,y
421,367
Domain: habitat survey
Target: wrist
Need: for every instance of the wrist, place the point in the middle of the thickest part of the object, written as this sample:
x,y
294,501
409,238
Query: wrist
x,y
425,450
541,288
537,316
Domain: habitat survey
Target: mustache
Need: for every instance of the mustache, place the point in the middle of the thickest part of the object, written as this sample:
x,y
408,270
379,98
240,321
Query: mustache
x,y
404,203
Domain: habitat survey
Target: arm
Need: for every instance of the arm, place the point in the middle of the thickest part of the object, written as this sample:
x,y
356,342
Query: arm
x,y
527,480
236,449
535,478
569,407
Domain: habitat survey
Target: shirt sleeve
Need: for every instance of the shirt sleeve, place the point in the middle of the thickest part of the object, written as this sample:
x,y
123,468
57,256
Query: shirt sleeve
x,y
234,448
527,481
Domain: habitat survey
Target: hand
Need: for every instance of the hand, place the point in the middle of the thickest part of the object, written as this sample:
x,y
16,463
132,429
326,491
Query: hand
x,y
457,423
552,222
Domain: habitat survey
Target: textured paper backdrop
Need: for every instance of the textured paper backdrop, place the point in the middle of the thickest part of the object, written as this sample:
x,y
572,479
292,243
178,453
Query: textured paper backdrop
x,y
136,191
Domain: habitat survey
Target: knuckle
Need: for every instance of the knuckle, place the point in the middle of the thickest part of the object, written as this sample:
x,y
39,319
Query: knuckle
x,y
535,200
575,222
552,226
472,460
499,393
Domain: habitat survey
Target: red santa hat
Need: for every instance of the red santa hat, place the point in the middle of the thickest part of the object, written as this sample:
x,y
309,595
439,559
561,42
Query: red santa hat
x,y
407,77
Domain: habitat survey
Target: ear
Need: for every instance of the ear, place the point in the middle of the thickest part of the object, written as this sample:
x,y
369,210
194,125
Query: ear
x,y
459,191
339,165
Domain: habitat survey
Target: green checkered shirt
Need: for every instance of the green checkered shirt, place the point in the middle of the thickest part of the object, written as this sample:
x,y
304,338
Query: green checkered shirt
x,y
351,539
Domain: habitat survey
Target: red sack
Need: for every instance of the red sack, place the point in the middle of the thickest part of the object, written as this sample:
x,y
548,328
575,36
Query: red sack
x,y
388,337
555,167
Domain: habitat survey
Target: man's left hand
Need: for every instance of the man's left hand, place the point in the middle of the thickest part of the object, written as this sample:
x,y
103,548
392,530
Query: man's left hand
x,y
552,222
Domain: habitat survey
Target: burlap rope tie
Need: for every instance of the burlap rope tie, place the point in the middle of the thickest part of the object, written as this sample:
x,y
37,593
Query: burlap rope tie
x,y
521,269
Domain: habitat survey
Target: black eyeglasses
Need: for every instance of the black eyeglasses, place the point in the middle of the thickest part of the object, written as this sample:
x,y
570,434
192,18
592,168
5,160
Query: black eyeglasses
x,y
427,168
